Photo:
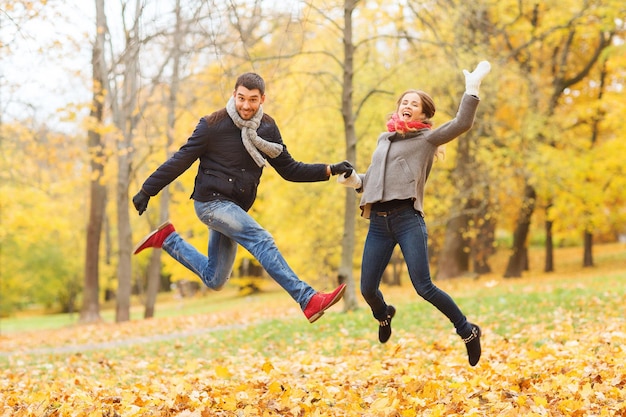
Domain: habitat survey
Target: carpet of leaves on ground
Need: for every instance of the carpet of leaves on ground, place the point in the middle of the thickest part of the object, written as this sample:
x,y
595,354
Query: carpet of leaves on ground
x,y
568,363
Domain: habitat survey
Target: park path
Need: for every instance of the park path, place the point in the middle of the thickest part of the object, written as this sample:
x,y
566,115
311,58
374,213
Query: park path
x,y
86,347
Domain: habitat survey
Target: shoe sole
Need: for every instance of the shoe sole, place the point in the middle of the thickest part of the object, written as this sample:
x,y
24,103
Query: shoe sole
x,y
138,249
320,313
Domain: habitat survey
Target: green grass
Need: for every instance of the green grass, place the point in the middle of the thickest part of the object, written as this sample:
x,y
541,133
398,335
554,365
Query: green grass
x,y
167,306
503,309
36,322
503,306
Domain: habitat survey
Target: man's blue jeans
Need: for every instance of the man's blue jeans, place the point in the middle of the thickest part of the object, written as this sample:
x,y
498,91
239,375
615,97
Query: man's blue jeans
x,y
230,225
405,227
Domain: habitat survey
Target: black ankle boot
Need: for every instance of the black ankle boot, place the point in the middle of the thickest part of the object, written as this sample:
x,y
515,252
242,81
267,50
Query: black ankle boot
x,y
472,344
384,329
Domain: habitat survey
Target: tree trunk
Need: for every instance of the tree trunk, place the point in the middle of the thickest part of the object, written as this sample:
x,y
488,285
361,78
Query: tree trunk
x,y
549,263
126,121
349,222
483,246
395,277
90,311
397,262
595,133
153,285
588,250
454,259
154,267
124,240
518,261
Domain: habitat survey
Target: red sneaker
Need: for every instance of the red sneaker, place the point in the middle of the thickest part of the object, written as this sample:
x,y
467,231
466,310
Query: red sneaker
x,y
320,302
155,239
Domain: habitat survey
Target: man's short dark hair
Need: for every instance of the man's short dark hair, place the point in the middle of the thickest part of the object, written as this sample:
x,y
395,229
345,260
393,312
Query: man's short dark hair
x,y
251,81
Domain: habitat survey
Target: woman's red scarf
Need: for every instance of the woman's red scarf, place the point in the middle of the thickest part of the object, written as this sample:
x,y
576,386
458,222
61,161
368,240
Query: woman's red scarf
x,y
395,124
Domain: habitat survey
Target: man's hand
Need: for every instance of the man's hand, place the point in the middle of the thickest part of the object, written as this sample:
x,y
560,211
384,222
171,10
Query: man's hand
x,y
140,201
341,168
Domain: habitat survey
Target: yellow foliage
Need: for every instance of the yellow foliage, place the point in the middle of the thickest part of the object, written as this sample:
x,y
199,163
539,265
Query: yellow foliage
x,y
521,138
567,363
267,367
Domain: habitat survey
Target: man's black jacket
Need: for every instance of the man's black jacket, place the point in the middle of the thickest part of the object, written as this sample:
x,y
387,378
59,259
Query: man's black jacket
x,y
226,170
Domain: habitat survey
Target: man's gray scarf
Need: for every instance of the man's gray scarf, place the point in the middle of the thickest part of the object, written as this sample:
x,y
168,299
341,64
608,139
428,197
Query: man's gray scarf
x,y
250,139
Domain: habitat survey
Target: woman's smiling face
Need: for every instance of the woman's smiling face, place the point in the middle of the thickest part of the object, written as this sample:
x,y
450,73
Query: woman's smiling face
x,y
410,108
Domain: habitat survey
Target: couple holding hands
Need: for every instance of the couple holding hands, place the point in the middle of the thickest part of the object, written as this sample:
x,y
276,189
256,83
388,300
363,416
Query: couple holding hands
x,y
232,145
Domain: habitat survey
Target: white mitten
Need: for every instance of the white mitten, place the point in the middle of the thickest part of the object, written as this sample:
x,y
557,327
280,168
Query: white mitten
x,y
354,180
473,79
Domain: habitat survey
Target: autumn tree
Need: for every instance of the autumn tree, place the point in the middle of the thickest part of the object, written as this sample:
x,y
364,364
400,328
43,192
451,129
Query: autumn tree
x,y
206,35
549,127
153,271
126,100
461,41
90,311
355,77
551,61
346,65
178,54
587,203
38,173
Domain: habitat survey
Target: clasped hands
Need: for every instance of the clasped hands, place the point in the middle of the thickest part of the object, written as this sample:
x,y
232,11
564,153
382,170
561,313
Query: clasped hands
x,y
350,179
346,174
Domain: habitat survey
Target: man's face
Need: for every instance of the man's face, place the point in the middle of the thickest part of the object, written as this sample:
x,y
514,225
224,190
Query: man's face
x,y
247,102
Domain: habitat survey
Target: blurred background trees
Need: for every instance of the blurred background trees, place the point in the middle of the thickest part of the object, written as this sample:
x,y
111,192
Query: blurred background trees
x,y
543,164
